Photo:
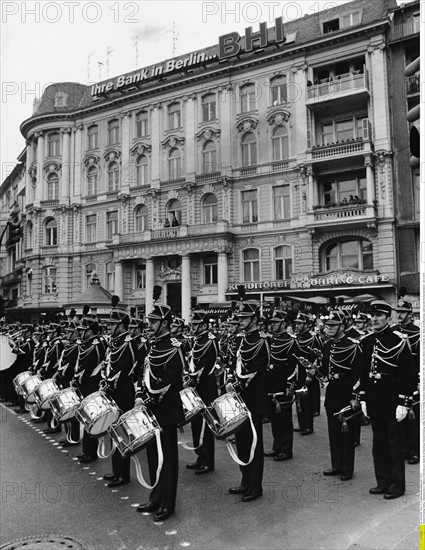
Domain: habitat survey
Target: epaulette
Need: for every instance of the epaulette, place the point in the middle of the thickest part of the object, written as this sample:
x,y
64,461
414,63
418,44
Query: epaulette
x,y
355,340
400,334
211,336
176,343
263,334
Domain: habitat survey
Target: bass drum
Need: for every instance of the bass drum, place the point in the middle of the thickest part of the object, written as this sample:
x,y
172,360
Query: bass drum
x,y
7,357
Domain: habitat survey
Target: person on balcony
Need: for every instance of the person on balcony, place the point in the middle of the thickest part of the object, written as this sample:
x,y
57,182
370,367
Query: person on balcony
x,y
167,222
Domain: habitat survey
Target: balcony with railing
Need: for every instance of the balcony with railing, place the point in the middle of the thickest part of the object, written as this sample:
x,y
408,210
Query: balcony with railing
x,y
207,177
339,88
350,215
405,29
341,149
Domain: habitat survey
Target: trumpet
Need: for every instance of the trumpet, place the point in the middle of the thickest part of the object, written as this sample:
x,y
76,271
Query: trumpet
x,y
312,370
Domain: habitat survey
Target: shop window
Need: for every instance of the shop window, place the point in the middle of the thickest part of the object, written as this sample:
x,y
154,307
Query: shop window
x,y
350,254
251,265
210,269
283,262
51,232
141,218
209,209
249,206
91,228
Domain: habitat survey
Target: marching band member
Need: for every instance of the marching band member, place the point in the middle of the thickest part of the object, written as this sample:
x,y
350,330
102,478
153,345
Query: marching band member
x,y
307,341
120,359
87,377
162,382
410,425
253,357
201,371
387,384
282,381
49,369
341,364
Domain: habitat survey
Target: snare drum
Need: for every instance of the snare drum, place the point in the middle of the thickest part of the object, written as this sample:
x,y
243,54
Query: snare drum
x,y
192,404
64,404
97,412
226,415
18,381
44,391
28,386
134,430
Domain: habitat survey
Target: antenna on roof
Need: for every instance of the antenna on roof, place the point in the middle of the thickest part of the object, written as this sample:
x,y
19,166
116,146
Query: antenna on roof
x,y
99,66
108,53
136,47
175,37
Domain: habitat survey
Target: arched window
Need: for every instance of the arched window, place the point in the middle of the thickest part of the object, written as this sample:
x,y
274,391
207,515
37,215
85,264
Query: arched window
x,y
142,167
30,235
280,142
51,232
174,164
92,180
49,280
251,265
174,116
209,157
141,218
209,209
248,98
174,213
113,176
283,262
93,137
110,276
249,149
53,145
113,132
142,124
52,187
347,254
279,90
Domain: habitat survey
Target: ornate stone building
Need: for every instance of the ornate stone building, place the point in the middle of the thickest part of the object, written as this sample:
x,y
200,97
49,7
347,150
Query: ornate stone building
x,y
264,161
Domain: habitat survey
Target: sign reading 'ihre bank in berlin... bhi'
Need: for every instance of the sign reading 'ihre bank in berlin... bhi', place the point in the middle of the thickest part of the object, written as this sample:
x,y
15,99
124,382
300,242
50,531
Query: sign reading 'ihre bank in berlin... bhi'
x,y
229,46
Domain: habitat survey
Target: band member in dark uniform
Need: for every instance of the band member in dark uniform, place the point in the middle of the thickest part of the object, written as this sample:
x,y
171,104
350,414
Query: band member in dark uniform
x,y
253,357
88,374
201,371
342,361
307,341
160,389
282,382
387,384
410,425
24,349
49,370
119,362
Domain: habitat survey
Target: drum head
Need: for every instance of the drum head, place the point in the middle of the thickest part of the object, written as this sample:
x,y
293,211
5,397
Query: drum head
x,y
101,425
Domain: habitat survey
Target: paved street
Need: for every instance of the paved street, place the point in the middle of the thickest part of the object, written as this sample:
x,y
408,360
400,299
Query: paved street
x,y
46,492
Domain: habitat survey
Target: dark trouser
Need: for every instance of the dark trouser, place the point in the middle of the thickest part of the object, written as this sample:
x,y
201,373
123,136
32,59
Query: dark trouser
x,y
50,421
315,395
206,451
164,494
305,411
72,429
89,445
357,427
252,475
3,384
410,433
282,428
388,455
341,443
120,465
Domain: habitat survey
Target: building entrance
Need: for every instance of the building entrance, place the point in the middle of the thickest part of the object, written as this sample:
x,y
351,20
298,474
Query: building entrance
x,y
174,298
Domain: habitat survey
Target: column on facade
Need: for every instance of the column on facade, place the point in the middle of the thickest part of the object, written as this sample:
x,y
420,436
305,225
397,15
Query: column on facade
x,y
189,149
226,105
64,193
377,75
149,285
370,180
222,276
78,162
40,162
186,288
156,146
126,168
28,162
119,281
312,194
297,90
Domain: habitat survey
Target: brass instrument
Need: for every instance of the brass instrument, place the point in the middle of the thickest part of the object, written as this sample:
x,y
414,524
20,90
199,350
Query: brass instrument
x,y
312,367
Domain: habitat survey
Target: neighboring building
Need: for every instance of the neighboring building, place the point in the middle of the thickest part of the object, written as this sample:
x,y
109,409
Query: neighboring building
x,y
266,162
404,92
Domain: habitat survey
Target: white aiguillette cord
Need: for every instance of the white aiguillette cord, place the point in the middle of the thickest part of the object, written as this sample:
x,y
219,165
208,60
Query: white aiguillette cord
x,y
68,430
33,411
201,438
101,448
253,446
138,466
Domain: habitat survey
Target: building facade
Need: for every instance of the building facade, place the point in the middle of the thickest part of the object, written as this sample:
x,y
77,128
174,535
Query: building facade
x,y
265,160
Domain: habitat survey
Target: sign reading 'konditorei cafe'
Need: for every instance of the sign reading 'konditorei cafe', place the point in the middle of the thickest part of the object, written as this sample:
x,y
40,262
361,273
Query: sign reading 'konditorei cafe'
x,y
301,281
229,46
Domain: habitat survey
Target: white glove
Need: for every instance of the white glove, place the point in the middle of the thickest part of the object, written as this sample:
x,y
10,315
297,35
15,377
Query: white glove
x,y
364,408
401,413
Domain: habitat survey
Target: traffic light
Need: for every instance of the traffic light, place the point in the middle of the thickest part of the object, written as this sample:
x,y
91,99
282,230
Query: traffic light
x,y
14,233
413,116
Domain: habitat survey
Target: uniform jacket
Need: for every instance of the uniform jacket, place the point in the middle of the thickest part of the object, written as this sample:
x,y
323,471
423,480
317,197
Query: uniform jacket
x,y
202,359
283,368
120,359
